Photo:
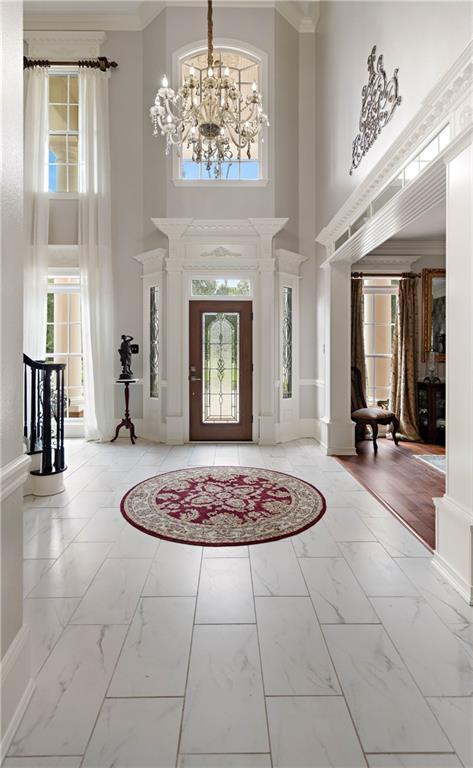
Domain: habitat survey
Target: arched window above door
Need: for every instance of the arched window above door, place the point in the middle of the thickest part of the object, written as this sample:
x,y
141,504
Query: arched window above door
x,y
246,67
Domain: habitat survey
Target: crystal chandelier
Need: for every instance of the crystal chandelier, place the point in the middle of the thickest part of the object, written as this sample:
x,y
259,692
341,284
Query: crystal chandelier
x,y
209,116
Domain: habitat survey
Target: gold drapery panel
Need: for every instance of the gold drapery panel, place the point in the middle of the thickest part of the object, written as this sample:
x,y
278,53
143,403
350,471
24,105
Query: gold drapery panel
x,y
404,361
357,331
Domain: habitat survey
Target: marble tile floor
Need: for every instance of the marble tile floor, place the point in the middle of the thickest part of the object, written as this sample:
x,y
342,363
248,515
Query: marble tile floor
x,y
340,647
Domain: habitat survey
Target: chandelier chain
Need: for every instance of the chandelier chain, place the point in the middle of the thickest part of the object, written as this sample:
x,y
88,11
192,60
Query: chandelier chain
x,y
210,34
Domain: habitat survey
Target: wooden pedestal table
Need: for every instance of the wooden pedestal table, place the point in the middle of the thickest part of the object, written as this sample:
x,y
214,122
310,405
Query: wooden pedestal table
x,y
126,421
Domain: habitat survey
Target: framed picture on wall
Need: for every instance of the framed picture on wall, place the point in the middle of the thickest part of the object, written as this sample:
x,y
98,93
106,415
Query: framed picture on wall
x,y
433,314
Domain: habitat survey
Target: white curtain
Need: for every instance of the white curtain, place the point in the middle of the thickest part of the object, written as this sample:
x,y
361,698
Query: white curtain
x,y
95,255
36,213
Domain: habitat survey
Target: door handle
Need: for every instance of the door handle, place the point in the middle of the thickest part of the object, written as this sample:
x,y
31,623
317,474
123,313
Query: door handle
x,y
194,378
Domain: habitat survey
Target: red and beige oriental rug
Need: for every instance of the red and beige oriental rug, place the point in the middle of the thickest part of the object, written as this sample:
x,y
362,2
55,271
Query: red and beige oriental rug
x,y
223,506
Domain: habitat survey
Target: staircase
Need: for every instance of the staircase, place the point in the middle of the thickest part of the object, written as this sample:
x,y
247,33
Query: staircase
x,y
43,425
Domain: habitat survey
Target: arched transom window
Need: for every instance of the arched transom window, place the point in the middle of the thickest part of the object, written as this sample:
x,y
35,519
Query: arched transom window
x,y
244,69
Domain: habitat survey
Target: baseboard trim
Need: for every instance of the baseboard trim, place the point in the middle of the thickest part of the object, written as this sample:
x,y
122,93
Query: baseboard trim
x,y
13,475
453,577
16,686
294,430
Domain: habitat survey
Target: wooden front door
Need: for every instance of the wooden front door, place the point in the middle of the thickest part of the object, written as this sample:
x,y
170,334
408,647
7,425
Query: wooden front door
x,y
220,370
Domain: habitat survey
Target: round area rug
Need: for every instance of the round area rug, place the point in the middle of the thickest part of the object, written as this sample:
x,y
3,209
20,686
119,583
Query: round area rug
x,y
223,506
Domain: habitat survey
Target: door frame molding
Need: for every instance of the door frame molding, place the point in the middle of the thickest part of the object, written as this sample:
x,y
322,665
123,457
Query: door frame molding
x,y
212,300
232,248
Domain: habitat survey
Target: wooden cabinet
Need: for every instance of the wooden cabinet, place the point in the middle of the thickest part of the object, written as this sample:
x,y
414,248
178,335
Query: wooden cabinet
x,y
431,409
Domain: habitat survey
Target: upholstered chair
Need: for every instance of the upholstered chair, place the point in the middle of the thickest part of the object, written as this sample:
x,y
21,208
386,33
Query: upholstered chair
x,y
365,416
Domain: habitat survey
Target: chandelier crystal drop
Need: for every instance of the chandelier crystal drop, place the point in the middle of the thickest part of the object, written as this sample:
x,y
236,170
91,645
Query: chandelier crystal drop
x,y
209,115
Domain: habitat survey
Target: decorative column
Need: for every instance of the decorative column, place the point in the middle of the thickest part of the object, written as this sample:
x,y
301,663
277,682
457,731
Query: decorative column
x,y
175,353
267,352
267,324
337,429
454,511
153,370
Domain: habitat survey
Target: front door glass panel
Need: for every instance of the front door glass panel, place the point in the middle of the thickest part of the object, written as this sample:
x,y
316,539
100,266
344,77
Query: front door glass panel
x,y
221,367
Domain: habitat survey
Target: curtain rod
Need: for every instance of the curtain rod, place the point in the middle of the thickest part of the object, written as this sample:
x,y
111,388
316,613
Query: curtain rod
x,y
101,62
385,274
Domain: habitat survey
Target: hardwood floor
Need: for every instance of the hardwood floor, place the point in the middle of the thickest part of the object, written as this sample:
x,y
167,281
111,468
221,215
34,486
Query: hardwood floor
x,y
403,484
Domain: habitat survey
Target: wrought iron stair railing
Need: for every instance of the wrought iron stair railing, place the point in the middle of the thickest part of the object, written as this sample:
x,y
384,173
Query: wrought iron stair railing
x,y
43,413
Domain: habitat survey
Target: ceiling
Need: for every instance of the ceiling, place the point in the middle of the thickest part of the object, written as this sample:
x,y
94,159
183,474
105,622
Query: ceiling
x,y
137,14
430,226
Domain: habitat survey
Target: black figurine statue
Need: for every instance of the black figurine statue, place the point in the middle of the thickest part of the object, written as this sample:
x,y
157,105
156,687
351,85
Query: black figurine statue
x,y
125,358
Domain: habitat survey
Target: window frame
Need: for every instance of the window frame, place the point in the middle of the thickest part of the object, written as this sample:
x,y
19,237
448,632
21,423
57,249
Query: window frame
x,y
386,290
64,71
66,272
261,59
289,406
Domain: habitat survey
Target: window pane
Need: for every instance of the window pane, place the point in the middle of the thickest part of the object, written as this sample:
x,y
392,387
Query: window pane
x,y
382,305
368,308
221,287
73,118
58,89
61,178
57,118
50,315
286,383
74,366
370,371
244,72
72,149
61,338
383,371
72,184
221,367
57,149
154,341
49,338
74,307
73,90
369,339
382,339
75,342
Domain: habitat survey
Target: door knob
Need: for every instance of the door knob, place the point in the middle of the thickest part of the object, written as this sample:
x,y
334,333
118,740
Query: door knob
x,y
195,378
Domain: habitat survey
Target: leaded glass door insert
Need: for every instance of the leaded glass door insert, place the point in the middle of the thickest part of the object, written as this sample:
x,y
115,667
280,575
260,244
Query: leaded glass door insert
x,y
220,375
221,367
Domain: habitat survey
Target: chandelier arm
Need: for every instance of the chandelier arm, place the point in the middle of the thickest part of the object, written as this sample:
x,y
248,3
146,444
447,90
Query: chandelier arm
x,y
210,34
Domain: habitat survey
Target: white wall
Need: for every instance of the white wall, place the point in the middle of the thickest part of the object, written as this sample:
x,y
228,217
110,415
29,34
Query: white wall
x,y
12,305
13,640
142,185
422,39
126,146
185,26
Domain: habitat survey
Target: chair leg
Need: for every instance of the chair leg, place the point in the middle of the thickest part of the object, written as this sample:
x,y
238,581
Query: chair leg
x,y
374,427
395,429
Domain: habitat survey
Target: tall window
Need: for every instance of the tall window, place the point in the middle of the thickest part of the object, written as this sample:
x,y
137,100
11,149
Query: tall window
x,y
64,337
286,377
63,132
244,70
380,306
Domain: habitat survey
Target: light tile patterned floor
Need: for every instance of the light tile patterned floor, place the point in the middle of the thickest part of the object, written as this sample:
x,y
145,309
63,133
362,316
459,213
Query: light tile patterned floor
x,y
340,647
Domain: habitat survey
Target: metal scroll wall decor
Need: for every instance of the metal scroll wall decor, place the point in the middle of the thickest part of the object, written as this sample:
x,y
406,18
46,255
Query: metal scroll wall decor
x,y
379,99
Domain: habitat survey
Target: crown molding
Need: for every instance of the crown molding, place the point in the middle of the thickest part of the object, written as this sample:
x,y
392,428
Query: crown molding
x,y
48,44
149,10
426,191
386,263
289,262
446,101
304,23
256,229
409,247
